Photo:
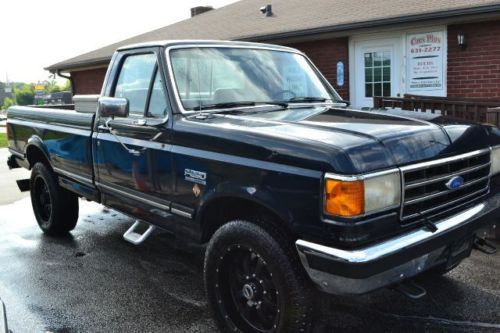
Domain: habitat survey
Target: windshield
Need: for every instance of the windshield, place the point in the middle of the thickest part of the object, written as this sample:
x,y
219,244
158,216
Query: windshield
x,y
229,77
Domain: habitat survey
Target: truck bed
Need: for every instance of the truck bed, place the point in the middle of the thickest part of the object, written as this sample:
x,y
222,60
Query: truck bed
x,y
64,136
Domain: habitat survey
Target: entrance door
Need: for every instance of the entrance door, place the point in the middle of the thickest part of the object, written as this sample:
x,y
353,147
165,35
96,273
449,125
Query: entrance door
x,y
376,71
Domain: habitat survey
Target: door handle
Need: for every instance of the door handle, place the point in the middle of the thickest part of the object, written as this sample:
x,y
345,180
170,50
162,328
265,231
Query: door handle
x,y
139,125
103,128
135,152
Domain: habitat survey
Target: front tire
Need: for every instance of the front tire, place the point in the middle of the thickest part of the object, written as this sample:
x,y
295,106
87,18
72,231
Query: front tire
x,y
55,208
254,281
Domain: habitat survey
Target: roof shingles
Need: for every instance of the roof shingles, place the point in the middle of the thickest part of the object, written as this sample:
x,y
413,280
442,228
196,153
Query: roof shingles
x,y
243,21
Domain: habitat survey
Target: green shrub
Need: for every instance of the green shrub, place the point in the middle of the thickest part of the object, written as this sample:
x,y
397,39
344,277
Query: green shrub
x,y
7,103
25,96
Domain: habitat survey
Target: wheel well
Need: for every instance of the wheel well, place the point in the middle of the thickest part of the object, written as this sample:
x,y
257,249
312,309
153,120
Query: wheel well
x,y
35,154
223,210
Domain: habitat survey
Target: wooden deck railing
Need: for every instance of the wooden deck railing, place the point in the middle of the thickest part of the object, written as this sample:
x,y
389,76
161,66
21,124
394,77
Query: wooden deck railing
x,y
493,116
479,110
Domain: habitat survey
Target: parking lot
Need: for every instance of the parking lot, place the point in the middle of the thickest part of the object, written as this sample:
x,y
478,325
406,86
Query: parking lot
x,y
93,281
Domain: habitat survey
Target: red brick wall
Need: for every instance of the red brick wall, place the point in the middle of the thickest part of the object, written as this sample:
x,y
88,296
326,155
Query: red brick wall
x,y
474,71
325,54
88,81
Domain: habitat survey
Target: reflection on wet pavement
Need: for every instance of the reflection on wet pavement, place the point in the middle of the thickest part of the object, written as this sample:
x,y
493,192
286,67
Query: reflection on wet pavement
x,y
93,281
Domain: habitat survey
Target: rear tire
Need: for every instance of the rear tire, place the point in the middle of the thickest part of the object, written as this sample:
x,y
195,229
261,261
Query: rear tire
x,y
254,281
55,208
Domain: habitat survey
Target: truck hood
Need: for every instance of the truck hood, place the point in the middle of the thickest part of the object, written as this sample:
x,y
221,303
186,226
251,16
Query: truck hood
x,y
355,141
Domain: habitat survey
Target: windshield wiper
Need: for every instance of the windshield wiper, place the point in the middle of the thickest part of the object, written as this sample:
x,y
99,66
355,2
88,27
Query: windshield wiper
x,y
228,105
278,103
307,99
225,105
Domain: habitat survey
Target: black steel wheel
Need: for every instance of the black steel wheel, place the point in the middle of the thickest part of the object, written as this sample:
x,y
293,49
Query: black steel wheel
x,y
55,208
43,200
254,281
246,287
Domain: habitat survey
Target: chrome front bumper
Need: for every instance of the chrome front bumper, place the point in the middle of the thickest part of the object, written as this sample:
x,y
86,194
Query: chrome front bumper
x,y
360,271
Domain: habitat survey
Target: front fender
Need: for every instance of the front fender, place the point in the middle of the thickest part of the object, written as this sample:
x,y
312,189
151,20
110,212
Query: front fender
x,y
250,192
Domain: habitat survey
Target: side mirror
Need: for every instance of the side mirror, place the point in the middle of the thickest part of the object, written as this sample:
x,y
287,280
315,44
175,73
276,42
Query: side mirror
x,y
113,107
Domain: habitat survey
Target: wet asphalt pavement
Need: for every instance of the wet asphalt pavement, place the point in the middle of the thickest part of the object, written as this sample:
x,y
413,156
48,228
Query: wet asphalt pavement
x,y
94,281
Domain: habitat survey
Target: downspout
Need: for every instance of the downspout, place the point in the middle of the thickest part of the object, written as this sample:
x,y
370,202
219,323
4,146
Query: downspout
x,y
68,77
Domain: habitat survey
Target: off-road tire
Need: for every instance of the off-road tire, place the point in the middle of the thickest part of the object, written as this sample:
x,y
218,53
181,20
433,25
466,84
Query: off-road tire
x,y
55,208
275,255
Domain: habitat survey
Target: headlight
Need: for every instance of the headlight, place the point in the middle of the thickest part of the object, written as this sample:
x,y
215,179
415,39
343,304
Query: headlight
x,y
359,195
495,160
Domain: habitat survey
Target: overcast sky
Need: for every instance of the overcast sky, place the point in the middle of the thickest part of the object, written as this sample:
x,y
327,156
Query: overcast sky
x,y
36,34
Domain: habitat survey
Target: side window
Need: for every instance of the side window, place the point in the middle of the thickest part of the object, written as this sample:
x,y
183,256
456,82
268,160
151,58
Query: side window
x,y
133,82
157,103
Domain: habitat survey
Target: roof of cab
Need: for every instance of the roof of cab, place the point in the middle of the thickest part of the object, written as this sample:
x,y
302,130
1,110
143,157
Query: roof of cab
x,y
204,42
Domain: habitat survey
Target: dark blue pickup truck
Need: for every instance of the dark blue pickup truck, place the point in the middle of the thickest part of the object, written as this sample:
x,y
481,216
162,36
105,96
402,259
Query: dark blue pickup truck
x,y
246,147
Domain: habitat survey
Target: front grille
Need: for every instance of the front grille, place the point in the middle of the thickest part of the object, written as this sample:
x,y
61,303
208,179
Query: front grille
x,y
425,190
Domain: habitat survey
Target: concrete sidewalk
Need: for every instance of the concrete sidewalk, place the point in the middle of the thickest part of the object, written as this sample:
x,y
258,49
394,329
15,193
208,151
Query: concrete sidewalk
x,y
9,192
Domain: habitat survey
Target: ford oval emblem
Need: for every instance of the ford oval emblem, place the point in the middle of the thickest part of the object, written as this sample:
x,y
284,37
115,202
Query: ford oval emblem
x,y
455,182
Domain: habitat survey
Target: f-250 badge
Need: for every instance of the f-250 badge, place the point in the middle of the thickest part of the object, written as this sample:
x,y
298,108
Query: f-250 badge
x,y
195,176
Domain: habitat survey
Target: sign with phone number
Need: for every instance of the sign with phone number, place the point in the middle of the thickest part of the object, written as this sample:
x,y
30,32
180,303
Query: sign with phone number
x,y
425,62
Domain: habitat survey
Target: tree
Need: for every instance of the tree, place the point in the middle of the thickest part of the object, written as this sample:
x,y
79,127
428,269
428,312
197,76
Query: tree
x,y
67,86
54,88
25,96
7,103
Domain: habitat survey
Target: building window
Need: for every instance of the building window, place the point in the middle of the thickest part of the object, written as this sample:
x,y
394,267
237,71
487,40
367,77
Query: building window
x,y
377,74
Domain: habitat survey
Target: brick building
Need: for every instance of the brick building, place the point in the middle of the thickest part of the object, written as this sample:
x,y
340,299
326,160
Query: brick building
x,y
364,48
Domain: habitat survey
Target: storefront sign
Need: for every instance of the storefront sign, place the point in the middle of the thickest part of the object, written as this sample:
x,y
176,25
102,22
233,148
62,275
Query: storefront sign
x,y
425,63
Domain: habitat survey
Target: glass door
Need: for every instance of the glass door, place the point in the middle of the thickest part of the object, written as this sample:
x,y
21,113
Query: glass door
x,y
376,71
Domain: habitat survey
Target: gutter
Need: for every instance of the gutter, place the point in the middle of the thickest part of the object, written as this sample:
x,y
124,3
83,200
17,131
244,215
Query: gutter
x,y
67,77
89,63
490,9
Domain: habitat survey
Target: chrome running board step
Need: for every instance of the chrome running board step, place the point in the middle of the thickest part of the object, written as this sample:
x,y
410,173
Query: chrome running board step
x,y
136,238
484,246
410,289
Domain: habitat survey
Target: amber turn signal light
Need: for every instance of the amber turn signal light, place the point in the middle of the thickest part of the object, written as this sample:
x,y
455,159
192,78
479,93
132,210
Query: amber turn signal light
x,y
345,198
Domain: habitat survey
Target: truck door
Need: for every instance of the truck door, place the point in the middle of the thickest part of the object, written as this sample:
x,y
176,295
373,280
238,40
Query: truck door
x,y
132,155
